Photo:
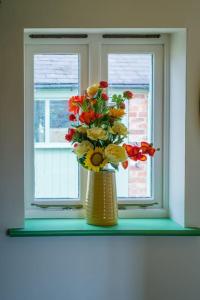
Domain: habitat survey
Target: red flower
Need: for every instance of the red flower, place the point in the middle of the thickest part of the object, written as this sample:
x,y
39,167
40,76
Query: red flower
x,y
72,117
147,149
74,103
104,96
98,116
103,84
87,117
128,94
69,135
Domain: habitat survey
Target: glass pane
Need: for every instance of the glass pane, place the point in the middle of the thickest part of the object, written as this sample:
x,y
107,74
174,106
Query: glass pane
x,y
58,121
134,72
56,78
59,114
39,121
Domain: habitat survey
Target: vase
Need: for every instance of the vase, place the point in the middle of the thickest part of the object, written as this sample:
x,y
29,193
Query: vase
x,y
101,198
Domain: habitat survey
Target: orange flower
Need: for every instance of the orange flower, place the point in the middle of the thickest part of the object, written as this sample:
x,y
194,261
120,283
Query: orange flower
x,y
139,156
129,149
125,164
135,152
116,112
147,148
74,103
87,117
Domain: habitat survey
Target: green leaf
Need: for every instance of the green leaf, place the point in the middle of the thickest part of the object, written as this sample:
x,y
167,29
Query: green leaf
x,y
85,106
116,167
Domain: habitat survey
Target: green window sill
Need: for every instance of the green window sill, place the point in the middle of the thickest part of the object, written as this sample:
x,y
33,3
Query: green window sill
x,y
79,227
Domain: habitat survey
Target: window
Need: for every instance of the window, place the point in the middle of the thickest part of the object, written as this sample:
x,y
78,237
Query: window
x,y
56,78
56,69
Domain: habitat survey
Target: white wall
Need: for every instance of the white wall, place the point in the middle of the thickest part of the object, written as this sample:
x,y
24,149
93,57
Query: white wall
x,y
100,268
177,127
92,267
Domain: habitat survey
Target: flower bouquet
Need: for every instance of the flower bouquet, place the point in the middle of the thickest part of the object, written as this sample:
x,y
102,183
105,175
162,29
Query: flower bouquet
x,y
97,133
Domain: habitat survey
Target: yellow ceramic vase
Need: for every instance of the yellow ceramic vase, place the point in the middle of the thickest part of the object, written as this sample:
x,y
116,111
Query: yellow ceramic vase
x,y
101,198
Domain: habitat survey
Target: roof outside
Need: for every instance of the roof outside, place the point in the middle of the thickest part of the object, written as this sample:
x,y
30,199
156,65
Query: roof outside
x,y
64,69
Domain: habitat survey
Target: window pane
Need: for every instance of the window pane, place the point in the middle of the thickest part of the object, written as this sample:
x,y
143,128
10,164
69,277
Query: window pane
x,y
56,78
134,72
58,121
58,114
39,121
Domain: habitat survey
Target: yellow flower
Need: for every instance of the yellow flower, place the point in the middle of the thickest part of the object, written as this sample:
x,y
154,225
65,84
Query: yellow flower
x,y
92,90
119,128
115,153
116,112
96,133
81,129
95,159
83,148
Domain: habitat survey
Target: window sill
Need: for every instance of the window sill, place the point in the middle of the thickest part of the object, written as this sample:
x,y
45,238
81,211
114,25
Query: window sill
x,y
125,227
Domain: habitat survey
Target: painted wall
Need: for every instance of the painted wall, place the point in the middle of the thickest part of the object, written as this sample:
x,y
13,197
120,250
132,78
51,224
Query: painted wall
x,y
108,268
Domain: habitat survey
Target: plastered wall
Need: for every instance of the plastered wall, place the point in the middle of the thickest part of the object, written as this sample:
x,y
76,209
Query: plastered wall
x,y
139,268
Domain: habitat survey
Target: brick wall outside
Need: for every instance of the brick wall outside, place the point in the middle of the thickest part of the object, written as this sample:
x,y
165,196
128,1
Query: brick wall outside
x,y
138,126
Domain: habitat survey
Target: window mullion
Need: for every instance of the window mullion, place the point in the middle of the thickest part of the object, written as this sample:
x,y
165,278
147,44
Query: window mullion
x,y
47,121
94,59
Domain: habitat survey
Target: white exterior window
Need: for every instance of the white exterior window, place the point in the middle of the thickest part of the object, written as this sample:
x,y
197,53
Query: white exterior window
x,y
56,69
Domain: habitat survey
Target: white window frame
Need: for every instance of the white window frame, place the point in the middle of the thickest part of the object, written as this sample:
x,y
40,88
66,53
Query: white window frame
x,y
98,47
156,114
30,51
